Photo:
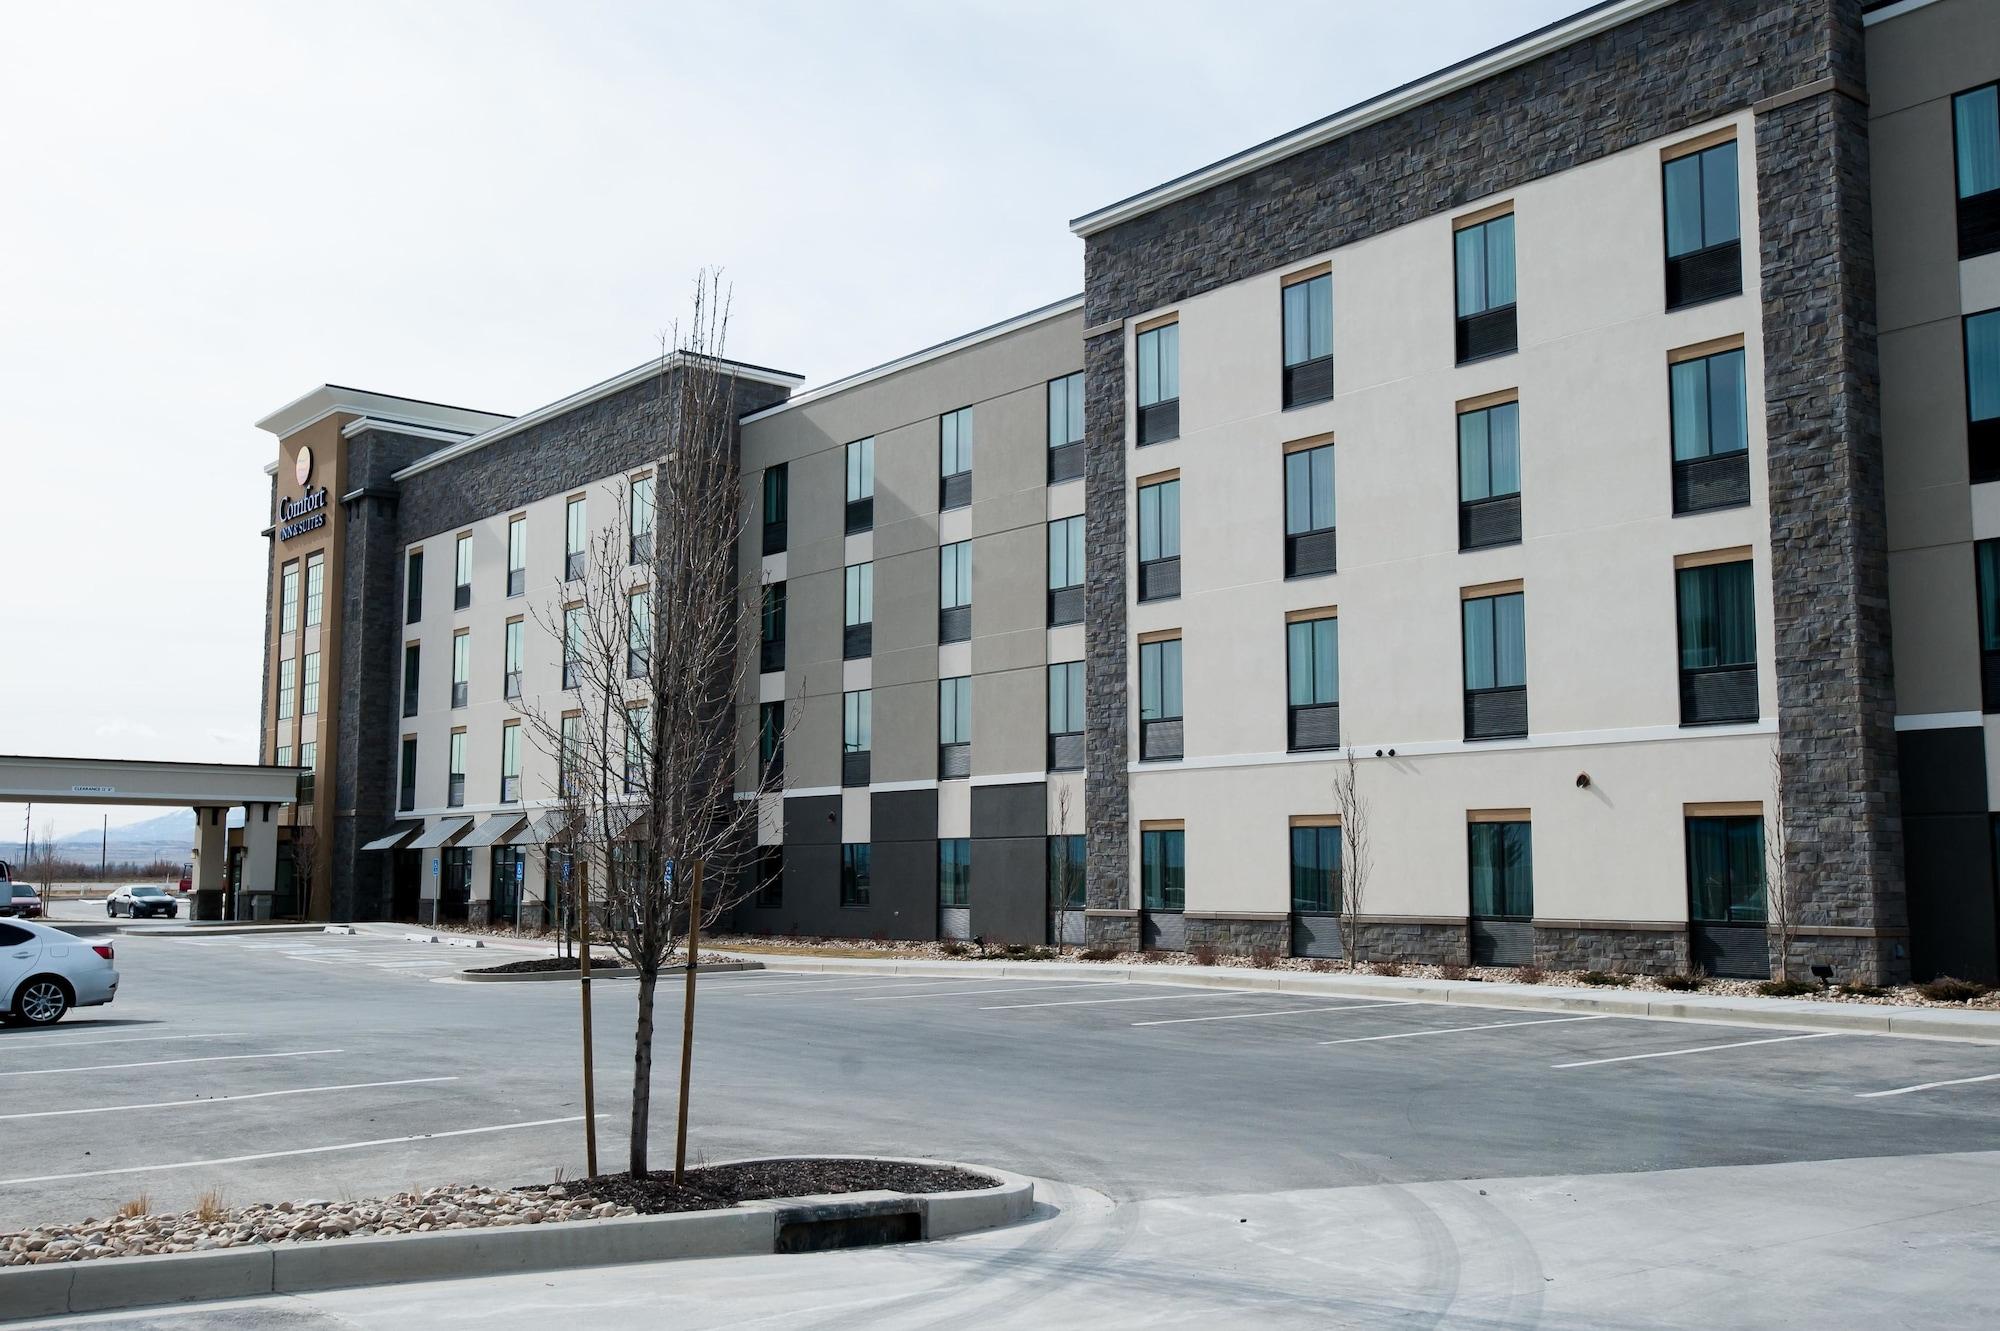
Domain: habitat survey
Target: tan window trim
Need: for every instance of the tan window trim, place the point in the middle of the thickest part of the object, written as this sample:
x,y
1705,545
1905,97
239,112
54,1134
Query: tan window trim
x,y
1163,825
1734,342
464,535
576,712
1724,809
1491,589
458,730
1686,147
1306,274
1157,321
1310,441
517,619
1485,400
1158,478
1483,215
1160,635
1736,554
1315,820
461,633
1496,815
1310,616
647,474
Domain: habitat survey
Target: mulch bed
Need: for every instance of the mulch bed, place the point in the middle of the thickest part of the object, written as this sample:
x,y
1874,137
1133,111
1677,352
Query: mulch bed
x,y
759,1180
540,964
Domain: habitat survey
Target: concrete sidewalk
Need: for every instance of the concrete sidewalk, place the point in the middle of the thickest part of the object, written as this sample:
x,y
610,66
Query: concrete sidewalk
x,y
1803,1014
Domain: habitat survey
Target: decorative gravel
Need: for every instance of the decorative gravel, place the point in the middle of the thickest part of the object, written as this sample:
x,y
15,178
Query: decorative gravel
x,y
760,1180
534,964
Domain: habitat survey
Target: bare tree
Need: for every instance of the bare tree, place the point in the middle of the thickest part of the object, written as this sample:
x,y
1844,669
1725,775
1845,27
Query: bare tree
x,y
1779,904
1355,859
300,850
1067,875
657,815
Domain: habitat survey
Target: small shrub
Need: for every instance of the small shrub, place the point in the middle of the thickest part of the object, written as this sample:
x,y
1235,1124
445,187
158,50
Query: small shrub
x,y
1388,967
1322,965
1098,954
1786,988
208,1207
1529,975
138,1206
1685,983
1263,956
1153,955
1024,952
1950,989
1855,990
951,947
1203,954
1451,970
1605,979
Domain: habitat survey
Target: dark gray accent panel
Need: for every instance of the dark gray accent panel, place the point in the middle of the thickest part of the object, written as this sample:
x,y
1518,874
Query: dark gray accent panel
x,y
903,815
903,894
1011,811
1954,916
1010,889
1107,800
1737,951
1315,935
810,820
811,897
1502,942
1944,771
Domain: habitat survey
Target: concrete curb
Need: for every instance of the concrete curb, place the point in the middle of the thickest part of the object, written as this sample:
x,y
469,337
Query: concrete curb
x,y
1880,1019
607,973
747,1229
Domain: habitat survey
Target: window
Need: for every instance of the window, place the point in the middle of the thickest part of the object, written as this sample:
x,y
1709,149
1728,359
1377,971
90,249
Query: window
x,y
315,589
1717,607
283,757
412,655
413,587
856,736
1160,540
461,667
770,741
309,685
858,632
1159,355
1982,394
1704,246
955,872
1711,427
777,503
1067,872
638,734
955,727
309,778
1489,476
771,631
955,592
1310,548
1496,667
1160,699
1725,866
955,458
638,633
1066,723
1066,594
510,665
639,519
287,674
1163,868
1975,117
574,630
455,773
854,873
576,538
461,595
860,486
770,870
288,598
1312,657
1316,868
1484,254
510,762
1986,566
406,789
1308,318
1066,428
1502,868
569,760
517,555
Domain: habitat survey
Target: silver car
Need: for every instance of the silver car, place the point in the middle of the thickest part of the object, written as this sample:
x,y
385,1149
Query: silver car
x,y
45,972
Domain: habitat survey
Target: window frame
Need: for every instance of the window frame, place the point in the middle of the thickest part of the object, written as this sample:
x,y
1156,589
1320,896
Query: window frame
x,y
517,554
576,536
954,865
413,587
513,654
955,575
1505,833
315,597
856,874
461,668
413,653
1318,834
288,598
1071,406
309,668
1723,824
461,554
1163,869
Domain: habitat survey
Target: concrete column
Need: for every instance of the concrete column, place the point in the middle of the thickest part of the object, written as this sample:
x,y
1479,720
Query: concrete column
x,y
430,863
534,886
260,862
211,858
479,900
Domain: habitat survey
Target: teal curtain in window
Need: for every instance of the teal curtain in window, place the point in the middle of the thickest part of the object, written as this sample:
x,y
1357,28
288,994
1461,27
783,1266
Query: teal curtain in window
x,y
1159,365
1160,521
1725,859
1489,452
857,723
1309,490
1312,650
1159,680
1701,200
1976,126
955,872
1982,365
1718,616
1308,315
1718,194
955,710
1986,557
1485,263
1710,410
1496,643
1163,869
1066,553
1066,698
1066,410
1316,870
1502,862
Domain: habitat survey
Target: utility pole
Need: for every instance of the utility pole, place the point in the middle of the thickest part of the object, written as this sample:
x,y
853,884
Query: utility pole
x,y
103,845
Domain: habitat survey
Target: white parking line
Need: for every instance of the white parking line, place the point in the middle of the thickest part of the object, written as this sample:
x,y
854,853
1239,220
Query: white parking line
x,y
165,1062
218,1099
1927,1086
1454,1030
1700,1049
122,1039
969,993
1288,1012
1084,1002
830,988
304,1150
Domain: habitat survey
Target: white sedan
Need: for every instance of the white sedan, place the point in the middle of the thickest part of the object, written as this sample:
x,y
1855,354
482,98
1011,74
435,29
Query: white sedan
x,y
45,972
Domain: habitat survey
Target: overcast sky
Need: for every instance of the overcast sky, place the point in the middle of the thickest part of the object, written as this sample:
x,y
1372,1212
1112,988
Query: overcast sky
x,y
209,209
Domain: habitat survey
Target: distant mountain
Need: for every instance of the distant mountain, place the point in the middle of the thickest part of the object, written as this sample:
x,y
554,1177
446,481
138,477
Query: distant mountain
x,y
167,837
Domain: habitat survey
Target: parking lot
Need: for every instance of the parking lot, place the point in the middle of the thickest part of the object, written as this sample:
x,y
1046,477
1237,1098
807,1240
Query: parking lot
x,y
309,1065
